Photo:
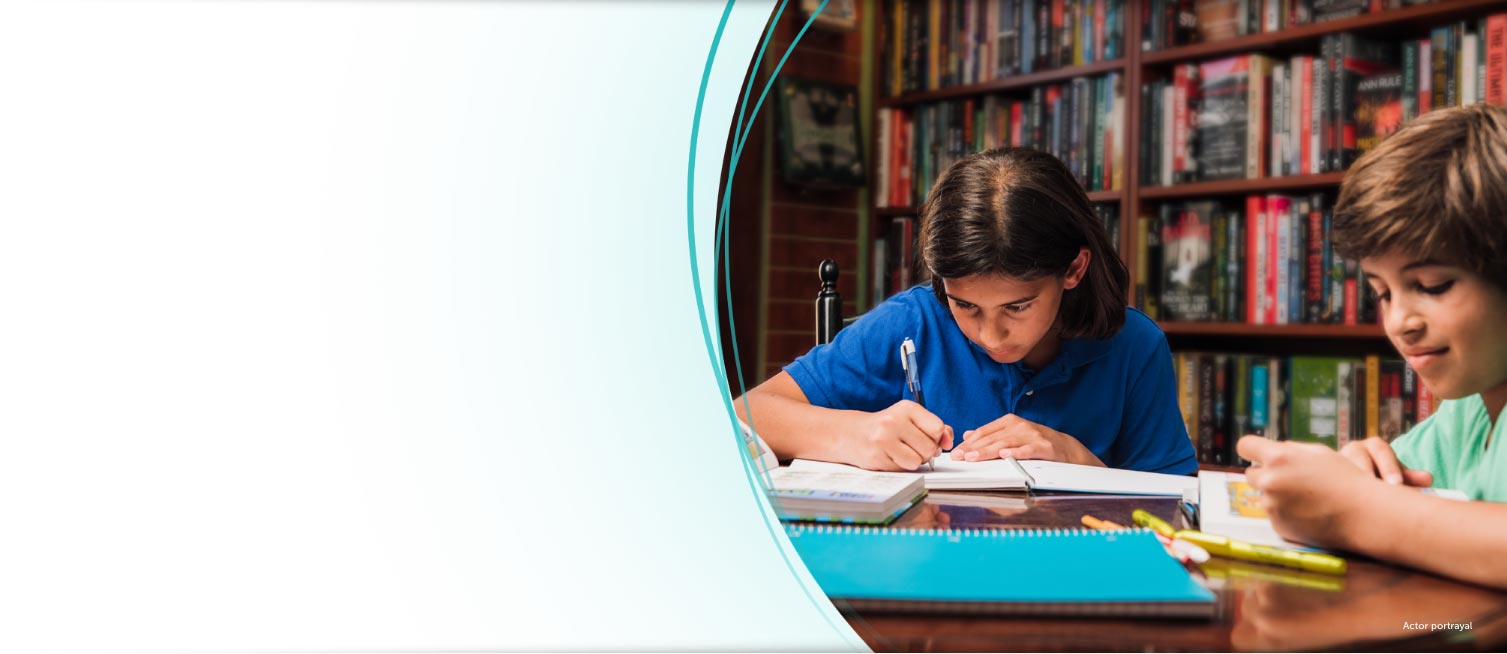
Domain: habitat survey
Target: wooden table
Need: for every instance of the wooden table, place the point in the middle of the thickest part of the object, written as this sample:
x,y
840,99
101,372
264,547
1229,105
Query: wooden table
x,y
1259,608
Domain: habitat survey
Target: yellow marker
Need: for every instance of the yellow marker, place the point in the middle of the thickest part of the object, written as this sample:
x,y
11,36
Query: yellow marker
x,y
1234,549
1102,525
1152,522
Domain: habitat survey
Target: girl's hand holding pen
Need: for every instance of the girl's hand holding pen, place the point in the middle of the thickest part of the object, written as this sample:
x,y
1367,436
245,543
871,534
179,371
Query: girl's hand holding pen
x,y
902,437
1014,436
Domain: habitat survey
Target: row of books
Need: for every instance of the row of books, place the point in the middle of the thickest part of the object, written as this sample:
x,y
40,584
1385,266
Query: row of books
x,y
1268,261
1077,121
931,44
1170,23
1253,116
893,257
1327,400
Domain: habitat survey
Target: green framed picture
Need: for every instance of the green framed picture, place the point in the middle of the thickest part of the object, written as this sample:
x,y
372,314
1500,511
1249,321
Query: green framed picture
x,y
819,140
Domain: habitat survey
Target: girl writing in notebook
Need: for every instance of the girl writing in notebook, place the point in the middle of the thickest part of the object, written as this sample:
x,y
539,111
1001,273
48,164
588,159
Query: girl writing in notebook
x,y
1023,343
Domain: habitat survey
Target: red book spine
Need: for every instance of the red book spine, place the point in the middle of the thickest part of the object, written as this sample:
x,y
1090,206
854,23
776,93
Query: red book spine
x,y
1305,125
1255,234
1276,207
1425,75
1099,9
1425,402
1496,59
1351,296
1015,120
1314,281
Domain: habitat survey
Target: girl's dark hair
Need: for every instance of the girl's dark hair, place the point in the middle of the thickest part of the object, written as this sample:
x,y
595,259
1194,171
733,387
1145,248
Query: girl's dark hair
x,y
1019,213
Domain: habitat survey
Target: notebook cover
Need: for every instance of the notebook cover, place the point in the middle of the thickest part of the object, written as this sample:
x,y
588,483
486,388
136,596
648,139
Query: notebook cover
x,y
1070,571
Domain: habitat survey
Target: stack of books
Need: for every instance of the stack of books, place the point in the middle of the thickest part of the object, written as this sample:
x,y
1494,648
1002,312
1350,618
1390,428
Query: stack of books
x,y
849,496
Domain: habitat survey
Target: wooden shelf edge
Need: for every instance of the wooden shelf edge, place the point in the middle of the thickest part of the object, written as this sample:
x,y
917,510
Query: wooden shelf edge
x,y
1004,83
1271,331
1313,31
1242,186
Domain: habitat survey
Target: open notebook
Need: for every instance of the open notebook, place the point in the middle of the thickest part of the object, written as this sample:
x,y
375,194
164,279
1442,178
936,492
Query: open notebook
x,y
1015,572
1009,474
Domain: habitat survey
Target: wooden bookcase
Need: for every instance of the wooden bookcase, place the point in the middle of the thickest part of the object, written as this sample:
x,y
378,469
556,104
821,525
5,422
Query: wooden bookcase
x,y
1135,199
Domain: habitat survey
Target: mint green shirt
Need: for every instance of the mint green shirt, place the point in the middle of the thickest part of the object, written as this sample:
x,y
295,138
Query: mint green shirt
x,y
1452,445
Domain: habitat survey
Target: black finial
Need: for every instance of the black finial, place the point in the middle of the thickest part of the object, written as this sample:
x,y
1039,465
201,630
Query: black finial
x,y
828,303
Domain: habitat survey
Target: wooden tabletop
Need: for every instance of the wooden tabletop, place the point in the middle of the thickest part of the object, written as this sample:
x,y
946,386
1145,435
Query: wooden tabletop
x,y
1259,608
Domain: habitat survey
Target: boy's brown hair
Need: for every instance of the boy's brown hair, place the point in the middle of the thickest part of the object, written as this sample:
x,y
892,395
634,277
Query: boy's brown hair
x,y
1436,190
1020,213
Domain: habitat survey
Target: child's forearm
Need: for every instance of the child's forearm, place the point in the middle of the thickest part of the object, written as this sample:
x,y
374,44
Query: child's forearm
x,y
792,426
1464,540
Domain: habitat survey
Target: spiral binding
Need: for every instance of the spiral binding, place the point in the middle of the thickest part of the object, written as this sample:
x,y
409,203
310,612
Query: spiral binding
x,y
795,531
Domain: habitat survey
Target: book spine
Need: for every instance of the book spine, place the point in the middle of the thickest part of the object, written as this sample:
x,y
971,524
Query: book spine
x,y
882,149
1223,445
1496,59
1323,101
1187,383
1255,236
1425,75
1179,122
1206,445
1235,293
1409,80
1313,280
1258,124
1425,403
1276,396
1281,209
1168,127
1280,113
1373,396
1315,101
1343,429
1240,394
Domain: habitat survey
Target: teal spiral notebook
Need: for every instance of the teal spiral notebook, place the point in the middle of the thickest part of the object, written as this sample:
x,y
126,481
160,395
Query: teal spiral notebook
x,y
1015,572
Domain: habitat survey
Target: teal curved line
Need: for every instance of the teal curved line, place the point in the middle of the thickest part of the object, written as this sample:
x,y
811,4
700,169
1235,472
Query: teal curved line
x,y
739,140
701,304
720,240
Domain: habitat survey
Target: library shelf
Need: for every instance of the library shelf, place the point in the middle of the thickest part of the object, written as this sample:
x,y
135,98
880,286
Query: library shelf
x,y
1243,186
1271,331
1303,36
1016,82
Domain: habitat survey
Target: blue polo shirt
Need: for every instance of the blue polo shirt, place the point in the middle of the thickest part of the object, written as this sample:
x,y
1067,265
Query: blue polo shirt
x,y
1117,396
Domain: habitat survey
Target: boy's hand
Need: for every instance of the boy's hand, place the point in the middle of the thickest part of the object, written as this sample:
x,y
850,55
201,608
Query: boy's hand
x,y
1014,436
1376,457
1310,492
901,437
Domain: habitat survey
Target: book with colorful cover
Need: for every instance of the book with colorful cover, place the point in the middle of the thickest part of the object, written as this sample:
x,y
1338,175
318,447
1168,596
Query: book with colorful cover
x,y
1315,398
850,496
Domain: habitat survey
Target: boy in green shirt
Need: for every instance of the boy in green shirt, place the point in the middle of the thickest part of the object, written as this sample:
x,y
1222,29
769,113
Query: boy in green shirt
x,y
1426,214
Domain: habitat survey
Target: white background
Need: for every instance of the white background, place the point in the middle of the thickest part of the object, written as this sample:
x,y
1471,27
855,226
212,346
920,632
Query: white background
x,y
370,325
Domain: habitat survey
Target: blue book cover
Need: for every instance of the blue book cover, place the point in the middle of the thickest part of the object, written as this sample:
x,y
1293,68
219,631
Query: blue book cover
x,y
1071,572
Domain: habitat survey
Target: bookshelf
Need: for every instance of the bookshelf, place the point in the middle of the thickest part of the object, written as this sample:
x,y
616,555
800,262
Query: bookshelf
x,y
1294,41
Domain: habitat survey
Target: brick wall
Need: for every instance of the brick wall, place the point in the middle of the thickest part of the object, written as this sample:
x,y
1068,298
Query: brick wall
x,y
779,232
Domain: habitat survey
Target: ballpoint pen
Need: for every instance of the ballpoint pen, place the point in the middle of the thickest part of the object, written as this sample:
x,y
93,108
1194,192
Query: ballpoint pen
x,y
913,377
